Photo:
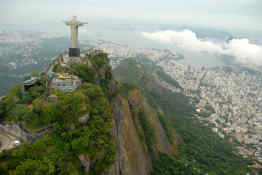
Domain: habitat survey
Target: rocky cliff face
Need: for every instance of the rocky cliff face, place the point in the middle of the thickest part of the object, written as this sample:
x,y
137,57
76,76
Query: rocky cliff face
x,y
133,154
131,158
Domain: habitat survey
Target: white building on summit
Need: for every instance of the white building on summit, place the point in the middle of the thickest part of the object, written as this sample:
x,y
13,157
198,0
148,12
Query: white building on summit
x,y
64,82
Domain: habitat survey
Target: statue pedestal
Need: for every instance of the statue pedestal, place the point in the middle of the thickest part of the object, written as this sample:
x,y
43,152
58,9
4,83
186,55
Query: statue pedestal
x,y
74,52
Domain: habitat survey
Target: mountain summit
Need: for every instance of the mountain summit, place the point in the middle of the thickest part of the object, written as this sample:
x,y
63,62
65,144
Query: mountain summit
x,y
75,118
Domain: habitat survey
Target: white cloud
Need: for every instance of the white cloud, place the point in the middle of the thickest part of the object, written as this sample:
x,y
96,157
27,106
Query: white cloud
x,y
241,50
244,52
185,39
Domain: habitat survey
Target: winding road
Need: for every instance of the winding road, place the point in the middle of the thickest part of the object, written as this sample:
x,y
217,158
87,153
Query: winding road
x,y
7,141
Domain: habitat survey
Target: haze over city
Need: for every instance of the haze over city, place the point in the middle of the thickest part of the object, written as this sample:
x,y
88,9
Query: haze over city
x,y
129,21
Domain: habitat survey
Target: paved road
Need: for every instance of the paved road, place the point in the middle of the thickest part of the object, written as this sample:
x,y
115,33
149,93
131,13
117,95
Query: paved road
x,y
9,133
7,141
50,69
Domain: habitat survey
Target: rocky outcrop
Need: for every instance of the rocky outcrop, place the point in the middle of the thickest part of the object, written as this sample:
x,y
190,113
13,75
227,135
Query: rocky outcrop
x,y
131,158
85,161
84,119
162,143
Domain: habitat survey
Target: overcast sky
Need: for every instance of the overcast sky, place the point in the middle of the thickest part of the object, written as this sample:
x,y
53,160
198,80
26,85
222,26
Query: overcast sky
x,y
228,14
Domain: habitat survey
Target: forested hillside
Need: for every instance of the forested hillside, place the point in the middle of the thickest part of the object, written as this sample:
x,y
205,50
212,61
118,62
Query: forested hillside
x,y
200,151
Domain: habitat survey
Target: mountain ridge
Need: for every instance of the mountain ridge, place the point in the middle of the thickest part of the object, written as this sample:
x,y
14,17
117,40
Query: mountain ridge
x,y
33,110
130,126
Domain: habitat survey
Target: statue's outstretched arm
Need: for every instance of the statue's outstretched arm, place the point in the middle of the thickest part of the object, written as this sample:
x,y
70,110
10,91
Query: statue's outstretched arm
x,y
82,23
67,22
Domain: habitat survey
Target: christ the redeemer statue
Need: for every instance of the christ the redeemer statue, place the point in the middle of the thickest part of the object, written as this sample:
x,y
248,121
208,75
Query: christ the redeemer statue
x,y
74,51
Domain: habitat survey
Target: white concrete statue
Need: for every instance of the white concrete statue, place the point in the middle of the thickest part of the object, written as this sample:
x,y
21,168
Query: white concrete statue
x,y
74,24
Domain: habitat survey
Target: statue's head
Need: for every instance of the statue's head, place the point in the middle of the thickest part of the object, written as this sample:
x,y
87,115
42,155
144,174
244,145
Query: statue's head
x,y
74,17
